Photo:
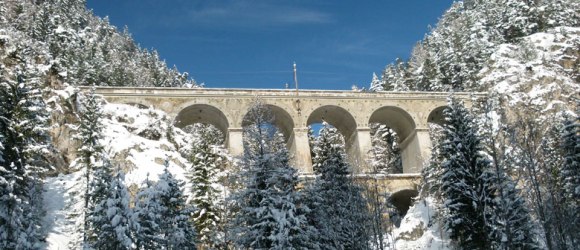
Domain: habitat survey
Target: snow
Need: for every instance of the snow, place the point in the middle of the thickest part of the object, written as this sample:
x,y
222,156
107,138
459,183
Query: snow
x,y
534,70
420,229
59,190
137,155
145,156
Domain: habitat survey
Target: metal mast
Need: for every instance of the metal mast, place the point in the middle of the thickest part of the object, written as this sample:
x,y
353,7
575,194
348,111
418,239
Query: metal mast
x,y
296,78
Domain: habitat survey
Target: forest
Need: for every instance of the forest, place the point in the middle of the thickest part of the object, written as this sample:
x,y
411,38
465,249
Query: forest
x,y
77,172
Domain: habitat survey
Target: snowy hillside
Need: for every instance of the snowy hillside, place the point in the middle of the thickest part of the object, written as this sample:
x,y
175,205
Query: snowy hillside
x,y
139,140
541,70
541,74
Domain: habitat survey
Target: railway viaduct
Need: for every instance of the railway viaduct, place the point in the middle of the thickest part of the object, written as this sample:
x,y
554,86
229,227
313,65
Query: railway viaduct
x,y
408,113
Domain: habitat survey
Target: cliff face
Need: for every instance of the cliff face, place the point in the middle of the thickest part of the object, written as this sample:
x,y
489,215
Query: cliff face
x,y
539,73
138,140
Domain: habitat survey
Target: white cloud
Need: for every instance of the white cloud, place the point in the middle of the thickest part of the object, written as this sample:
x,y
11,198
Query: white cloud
x,y
254,14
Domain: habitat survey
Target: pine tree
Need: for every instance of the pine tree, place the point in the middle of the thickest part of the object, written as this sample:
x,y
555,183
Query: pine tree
x,y
146,215
109,216
176,228
388,78
24,130
466,180
117,228
342,225
270,216
376,84
99,191
89,134
385,154
510,220
570,176
207,158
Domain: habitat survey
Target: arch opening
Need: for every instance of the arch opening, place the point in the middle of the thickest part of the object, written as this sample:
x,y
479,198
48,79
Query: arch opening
x,y
405,145
385,153
279,118
402,201
344,122
437,116
395,118
204,114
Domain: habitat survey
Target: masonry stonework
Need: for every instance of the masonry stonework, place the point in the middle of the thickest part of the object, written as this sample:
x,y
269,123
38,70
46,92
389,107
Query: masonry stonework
x,y
408,113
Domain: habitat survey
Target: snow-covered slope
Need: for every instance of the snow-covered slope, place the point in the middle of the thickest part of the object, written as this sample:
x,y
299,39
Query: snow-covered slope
x,y
542,70
139,140
540,73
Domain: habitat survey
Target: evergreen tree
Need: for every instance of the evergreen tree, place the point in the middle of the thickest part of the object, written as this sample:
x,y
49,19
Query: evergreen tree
x,y
466,181
570,177
109,216
385,153
24,130
537,152
270,216
207,158
388,78
146,214
342,225
376,84
510,220
117,228
176,228
431,173
89,134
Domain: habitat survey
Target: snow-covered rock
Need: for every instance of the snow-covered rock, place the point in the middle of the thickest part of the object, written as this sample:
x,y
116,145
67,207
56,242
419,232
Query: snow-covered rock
x,y
540,72
421,228
138,140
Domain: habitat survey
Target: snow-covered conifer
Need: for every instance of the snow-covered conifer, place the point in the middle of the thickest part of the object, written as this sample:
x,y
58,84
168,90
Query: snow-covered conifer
x,y
117,228
110,218
510,220
376,84
570,176
146,215
270,217
466,180
207,158
342,224
99,192
176,228
90,152
385,153
24,130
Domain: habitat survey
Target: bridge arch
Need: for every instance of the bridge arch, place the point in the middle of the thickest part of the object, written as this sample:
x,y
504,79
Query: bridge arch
x,y
345,123
282,120
404,125
437,116
402,199
202,113
395,118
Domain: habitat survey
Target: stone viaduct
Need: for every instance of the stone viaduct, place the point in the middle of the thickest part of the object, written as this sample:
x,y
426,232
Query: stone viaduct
x,y
408,113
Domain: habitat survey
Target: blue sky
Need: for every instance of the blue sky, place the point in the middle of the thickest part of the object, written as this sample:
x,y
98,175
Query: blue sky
x,y
252,44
